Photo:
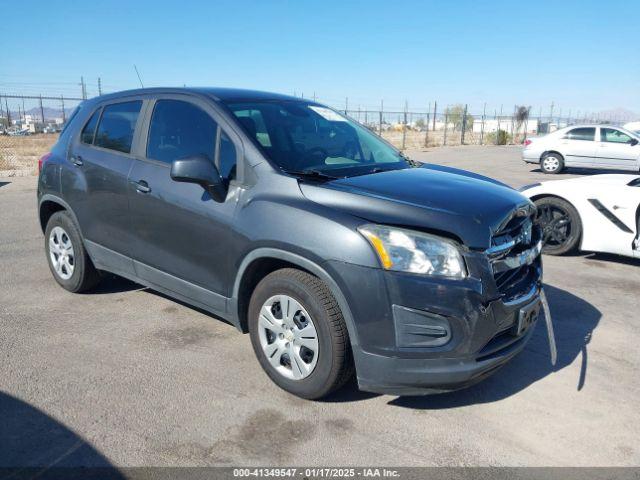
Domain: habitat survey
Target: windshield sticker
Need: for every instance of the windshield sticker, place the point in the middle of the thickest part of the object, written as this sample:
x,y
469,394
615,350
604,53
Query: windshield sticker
x,y
328,114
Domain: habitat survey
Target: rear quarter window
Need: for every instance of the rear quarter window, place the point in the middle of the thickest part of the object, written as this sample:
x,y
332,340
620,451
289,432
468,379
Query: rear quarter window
x,y
89,129
581,134
117,126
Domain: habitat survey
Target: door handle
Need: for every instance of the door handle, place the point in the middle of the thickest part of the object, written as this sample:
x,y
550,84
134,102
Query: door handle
x,y
77,160
141,186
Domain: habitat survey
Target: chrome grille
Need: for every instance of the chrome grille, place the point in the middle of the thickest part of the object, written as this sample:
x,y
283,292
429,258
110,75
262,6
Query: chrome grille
x,y
515,255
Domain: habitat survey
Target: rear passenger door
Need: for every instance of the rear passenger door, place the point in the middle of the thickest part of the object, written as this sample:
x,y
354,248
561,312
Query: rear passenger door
x,y
615,149
95,180
184,239
578,147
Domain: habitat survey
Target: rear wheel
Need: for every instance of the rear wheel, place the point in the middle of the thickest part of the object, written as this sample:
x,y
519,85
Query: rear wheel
x,y
68,260
560,223
552,163
299,335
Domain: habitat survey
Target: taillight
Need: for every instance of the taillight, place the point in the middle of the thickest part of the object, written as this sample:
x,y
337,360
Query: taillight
x,y
527,142
43,159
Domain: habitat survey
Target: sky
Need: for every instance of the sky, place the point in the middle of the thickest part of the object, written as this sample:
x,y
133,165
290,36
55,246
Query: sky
x,y
580,55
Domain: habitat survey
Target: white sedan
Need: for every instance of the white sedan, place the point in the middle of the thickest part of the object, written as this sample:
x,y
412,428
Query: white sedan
x,y
584,146
600,213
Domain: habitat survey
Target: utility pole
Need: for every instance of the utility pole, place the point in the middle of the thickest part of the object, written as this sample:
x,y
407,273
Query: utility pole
x,y
380,117
64,116
551,113
99,86
41,110
346,105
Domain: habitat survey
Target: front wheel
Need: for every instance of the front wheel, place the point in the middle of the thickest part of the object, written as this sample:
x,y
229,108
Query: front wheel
x,y
552,163
560,224
299,335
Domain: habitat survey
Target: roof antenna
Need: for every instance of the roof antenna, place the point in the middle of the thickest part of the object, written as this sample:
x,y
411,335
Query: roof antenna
x,y
138,74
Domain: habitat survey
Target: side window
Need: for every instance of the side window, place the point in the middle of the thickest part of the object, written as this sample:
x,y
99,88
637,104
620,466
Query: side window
x,y
613,136
581,134
179,129
226,157
117,125
90,128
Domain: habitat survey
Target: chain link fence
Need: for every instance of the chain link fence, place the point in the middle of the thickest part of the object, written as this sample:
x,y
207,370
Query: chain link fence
x,y
29,126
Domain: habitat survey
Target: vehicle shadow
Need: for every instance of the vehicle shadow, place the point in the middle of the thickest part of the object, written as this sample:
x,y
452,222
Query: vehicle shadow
x,y
610,257
2,184
111,283
574,321
36,445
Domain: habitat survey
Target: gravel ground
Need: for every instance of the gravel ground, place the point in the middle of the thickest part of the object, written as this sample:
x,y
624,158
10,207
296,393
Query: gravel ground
x,y
127,377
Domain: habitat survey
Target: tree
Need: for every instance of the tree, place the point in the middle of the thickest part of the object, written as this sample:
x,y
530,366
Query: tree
x,y
455,115
522,115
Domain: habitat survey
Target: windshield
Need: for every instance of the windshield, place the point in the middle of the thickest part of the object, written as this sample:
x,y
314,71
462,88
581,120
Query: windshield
x,y
307,138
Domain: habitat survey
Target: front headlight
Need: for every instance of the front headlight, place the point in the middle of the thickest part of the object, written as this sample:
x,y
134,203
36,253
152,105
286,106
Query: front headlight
x,y
415,252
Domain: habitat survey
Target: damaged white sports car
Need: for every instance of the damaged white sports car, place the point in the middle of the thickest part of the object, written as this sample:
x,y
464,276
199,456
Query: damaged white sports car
x,y
600,213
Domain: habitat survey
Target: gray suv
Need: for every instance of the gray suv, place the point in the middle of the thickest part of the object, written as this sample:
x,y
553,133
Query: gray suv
x,y
298,225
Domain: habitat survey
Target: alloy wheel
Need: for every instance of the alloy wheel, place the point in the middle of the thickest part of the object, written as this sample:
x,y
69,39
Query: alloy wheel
x,y
556,225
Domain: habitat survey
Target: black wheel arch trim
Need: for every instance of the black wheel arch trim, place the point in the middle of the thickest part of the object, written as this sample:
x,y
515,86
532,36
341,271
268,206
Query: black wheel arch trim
x,y
302,262
48,197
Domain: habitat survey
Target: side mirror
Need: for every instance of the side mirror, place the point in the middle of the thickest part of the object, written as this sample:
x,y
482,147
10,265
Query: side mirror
x,y
199,169
633,141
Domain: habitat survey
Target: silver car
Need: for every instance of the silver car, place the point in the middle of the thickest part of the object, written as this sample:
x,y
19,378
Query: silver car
x,y
585,146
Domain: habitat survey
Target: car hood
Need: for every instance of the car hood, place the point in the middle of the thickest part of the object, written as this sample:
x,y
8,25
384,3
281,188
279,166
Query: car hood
x,y
441,200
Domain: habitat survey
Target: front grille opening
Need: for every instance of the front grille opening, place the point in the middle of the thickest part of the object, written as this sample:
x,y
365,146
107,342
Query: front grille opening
x,y
523,234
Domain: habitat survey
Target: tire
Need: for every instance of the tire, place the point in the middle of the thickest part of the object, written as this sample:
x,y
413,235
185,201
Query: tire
x,y
561,225
77,274
552,163
310,301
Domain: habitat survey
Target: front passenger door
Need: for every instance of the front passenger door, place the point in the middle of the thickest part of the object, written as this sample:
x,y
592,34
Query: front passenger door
x,y
617,150
184,238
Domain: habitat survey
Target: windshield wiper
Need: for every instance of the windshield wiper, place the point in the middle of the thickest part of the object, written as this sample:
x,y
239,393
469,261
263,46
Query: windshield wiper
x,y
312,173
413,163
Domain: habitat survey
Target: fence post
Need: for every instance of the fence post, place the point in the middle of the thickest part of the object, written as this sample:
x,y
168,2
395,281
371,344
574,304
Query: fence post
x,y
426,130
404,127
6,107
446,122
435,112
484,111
464,124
